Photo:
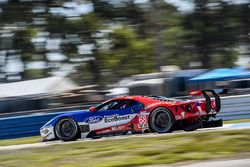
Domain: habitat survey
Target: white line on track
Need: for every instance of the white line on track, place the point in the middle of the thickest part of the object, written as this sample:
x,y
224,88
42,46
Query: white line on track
x,y
227,163
225,127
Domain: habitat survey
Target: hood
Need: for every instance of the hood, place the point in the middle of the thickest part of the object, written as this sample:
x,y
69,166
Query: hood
x,y
78,116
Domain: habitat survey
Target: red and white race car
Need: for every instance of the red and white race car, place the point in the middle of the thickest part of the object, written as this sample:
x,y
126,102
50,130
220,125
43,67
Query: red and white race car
x,y
136,114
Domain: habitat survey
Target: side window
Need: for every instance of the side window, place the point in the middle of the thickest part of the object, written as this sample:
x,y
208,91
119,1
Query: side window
x,y
116,104
131,103
104,106
128,103
111,105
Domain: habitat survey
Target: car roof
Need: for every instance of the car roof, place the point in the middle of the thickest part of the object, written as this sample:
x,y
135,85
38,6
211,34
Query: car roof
x,y
141,99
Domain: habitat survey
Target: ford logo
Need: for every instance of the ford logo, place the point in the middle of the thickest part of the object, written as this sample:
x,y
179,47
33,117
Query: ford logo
x,y
94,119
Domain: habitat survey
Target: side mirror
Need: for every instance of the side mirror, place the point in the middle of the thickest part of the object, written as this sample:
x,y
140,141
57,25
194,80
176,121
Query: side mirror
x,y
92,109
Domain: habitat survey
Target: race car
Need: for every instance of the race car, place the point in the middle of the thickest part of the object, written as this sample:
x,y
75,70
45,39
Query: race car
x,y
136,114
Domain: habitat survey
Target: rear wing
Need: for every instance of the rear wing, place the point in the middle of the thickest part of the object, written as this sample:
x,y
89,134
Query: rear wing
x,y
208,94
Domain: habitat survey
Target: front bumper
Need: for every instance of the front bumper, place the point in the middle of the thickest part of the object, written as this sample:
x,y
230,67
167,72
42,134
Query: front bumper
x,y
47,133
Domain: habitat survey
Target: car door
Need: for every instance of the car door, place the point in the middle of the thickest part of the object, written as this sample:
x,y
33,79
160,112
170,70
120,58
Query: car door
x,y
115,112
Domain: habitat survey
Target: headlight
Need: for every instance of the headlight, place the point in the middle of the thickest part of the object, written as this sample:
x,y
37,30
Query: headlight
x,y
45,131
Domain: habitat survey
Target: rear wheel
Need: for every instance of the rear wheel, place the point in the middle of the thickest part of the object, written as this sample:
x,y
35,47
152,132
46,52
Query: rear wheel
x,y
161,120
67,129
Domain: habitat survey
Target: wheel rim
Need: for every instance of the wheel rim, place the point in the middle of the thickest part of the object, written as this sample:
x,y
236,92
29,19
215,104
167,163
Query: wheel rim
x,y
66,129
162,120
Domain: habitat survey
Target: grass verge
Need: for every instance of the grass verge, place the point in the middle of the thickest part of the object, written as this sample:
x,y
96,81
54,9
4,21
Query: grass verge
x,y
137,151
24,140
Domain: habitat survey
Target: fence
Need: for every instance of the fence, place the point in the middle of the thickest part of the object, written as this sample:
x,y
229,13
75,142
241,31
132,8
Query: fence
x,y
233,107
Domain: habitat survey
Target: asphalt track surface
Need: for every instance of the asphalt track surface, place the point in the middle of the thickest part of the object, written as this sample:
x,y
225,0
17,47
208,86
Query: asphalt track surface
x,y
213,163
235,126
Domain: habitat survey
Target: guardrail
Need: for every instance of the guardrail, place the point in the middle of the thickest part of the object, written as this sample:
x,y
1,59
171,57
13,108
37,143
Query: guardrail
x,y
23,126
233,107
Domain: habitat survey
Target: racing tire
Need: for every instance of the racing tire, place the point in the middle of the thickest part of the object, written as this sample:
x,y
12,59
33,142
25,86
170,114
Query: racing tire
x,y
66,129
161,120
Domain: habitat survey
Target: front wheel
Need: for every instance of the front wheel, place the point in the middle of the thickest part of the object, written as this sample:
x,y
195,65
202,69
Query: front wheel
x,y
161,120
67,129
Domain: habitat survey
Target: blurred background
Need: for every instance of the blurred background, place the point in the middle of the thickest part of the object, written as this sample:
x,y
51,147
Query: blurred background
x,y
65,53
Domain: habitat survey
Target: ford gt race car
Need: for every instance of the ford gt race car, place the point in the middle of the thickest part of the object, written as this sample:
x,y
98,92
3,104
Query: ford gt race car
x,y
136,114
